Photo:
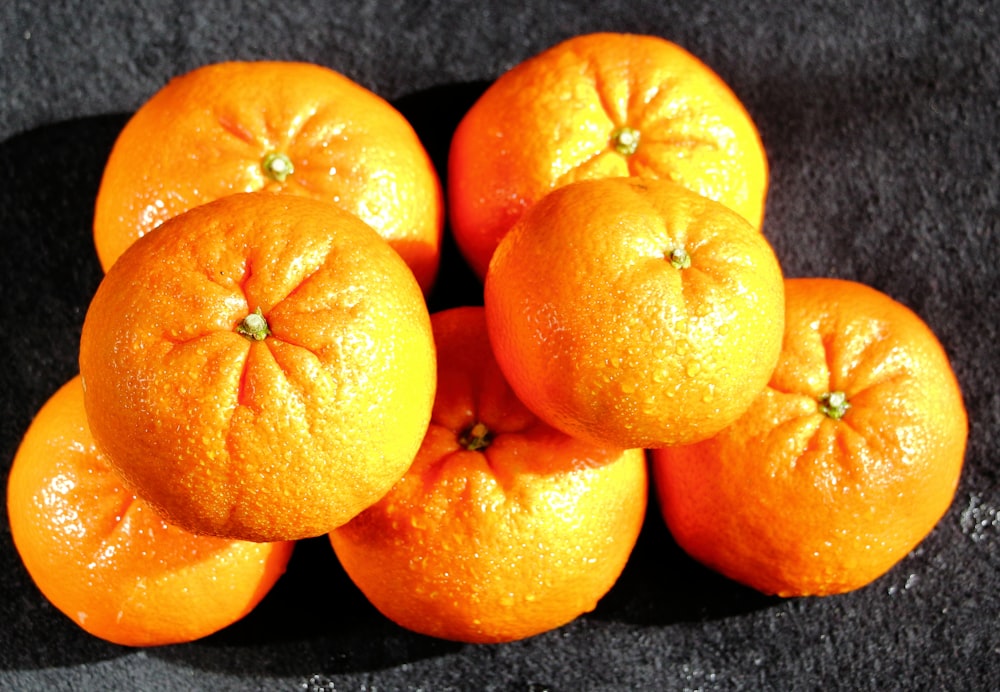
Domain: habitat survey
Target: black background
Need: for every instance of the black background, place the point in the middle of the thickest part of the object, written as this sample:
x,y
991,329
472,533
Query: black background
x,y
880,123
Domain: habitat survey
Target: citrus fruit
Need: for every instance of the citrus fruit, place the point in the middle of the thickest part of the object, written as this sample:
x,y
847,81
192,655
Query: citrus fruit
x,y
634,312
593,106
259,367
841,466
289,127
105,559
503,528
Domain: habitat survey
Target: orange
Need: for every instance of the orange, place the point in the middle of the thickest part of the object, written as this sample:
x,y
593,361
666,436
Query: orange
x,y
288,127
634,312
504,527
593,106
259,367
842,465
104,558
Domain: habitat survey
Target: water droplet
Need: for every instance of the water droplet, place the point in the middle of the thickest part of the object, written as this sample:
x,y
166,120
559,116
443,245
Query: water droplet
x,y
709,395
979,520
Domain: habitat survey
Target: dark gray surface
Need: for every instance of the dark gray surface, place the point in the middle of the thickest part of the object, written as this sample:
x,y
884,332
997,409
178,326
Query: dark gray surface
x,y
880,121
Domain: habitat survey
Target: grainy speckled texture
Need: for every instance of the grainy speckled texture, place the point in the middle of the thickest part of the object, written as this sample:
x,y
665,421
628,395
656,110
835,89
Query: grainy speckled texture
x,y
880,121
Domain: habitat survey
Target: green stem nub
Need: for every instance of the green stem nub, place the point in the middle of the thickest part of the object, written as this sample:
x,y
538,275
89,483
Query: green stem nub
x,y
679,258
834,405
277,166
625,140
476,438
254,326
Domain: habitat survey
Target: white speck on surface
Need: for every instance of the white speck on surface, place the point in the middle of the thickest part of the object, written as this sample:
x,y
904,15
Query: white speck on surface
x,y
979,520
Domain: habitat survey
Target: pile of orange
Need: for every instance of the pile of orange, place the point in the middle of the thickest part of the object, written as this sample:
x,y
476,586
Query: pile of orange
x,y
259,364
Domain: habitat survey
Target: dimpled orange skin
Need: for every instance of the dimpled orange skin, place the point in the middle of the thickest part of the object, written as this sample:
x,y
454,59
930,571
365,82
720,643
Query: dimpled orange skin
x,y
277,439
793,502
558,117
207,133
105,558
604,338
500,543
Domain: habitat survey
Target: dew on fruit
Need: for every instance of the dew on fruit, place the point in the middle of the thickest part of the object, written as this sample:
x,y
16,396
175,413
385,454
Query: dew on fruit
x,y
151,214
708,396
